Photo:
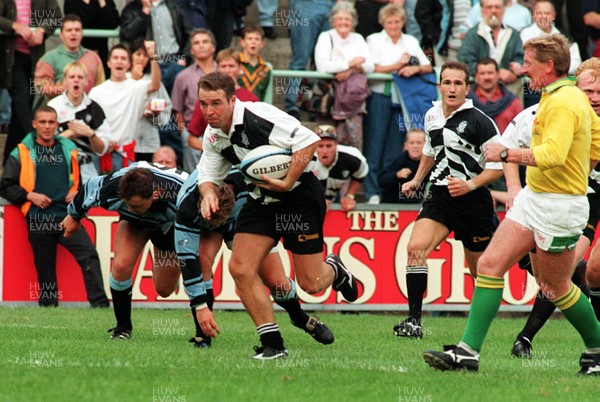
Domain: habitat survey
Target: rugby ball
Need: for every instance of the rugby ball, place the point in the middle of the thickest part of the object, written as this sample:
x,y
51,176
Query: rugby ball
x,y
268,160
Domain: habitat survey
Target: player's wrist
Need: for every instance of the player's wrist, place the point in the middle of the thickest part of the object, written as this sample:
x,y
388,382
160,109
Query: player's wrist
x,y
351,196
471,184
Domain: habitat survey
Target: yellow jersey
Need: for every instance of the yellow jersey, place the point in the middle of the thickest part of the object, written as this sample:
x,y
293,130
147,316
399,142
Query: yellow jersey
x,y
565,136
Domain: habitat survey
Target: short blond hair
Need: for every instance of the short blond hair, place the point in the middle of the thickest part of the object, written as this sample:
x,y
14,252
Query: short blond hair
x,y
591,67
228,53
391,10
75,64
551,47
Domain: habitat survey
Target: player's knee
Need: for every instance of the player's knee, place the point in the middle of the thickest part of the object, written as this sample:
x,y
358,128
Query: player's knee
x,y
238,271
120,270
484,265
206,263
165,290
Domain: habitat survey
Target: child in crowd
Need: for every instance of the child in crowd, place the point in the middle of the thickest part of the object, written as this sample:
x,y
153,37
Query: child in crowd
x,y
402,170
255,71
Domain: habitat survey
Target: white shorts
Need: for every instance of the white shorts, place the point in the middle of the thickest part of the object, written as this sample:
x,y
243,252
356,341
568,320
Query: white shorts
x,y
556,220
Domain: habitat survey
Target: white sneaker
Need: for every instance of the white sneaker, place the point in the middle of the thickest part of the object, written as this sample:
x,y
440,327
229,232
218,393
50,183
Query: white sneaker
x,y
374,200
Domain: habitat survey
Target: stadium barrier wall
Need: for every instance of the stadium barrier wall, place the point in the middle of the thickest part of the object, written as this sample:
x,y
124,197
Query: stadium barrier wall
x,y
371,240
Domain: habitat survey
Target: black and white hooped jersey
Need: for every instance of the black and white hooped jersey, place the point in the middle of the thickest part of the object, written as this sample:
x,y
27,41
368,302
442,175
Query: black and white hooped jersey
x,y
457,142
253,124
102,191
349,164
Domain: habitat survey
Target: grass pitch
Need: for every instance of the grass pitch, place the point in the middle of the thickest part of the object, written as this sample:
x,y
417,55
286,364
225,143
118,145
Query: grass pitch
x,y
64,354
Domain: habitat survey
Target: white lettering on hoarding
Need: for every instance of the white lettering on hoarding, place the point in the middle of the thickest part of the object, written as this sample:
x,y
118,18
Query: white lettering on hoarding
x,y
349,248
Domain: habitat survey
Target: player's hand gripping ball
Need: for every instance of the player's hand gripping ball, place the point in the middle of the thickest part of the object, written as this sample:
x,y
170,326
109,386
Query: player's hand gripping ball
x,y
269,160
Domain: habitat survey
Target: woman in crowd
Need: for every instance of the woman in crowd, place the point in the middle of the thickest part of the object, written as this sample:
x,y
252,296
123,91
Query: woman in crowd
x,y
157,113
396,53
344,53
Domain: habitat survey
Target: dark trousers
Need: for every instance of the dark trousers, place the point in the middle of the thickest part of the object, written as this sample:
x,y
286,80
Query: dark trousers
x,y
22,98
168,72
368,22
222,26
577,29
198,12
44,239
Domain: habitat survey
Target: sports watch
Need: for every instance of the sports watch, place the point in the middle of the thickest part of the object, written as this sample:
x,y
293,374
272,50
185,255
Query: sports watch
x,y
504,155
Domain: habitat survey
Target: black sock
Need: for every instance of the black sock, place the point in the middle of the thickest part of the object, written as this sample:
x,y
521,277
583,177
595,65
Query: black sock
x,y
270,336
298,316
416,282
122,307
199,332
578,277
210,299
542,310
595,299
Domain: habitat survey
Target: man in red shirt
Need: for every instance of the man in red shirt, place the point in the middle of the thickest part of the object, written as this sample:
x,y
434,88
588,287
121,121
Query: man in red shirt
x,y
492,97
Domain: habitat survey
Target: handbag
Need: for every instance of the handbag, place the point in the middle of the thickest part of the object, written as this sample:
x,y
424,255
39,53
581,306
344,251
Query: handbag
x,y
316,96
351,95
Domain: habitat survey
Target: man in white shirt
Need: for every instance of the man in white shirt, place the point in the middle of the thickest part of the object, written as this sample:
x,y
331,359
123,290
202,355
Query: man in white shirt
x,y
544,15
124,101
516,15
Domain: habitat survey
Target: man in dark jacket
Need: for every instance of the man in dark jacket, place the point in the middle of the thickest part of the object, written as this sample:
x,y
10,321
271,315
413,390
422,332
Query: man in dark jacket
x,y
164,23
19,52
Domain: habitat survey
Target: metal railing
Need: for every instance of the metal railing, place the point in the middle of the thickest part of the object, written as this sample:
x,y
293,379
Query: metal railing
x,y
311,75
114,33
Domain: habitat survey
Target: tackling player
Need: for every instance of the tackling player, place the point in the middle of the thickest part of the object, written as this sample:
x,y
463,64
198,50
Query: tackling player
x,y
192,230
144,195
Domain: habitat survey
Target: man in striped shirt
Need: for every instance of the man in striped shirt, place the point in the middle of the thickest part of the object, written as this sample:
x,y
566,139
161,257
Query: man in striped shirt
x,y
458,200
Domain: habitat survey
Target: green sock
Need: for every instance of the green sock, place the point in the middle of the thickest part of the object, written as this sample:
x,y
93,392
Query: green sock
x,y
486,302
578,310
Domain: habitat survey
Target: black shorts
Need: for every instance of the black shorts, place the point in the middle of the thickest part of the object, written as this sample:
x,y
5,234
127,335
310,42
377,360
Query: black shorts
x,y
590,228
297,219
470,217
163,241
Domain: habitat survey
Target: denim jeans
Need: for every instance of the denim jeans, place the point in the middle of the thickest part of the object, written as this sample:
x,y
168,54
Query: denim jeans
x,y
383,139
168,72
191,156
266,11
5,109
306,20
197,12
